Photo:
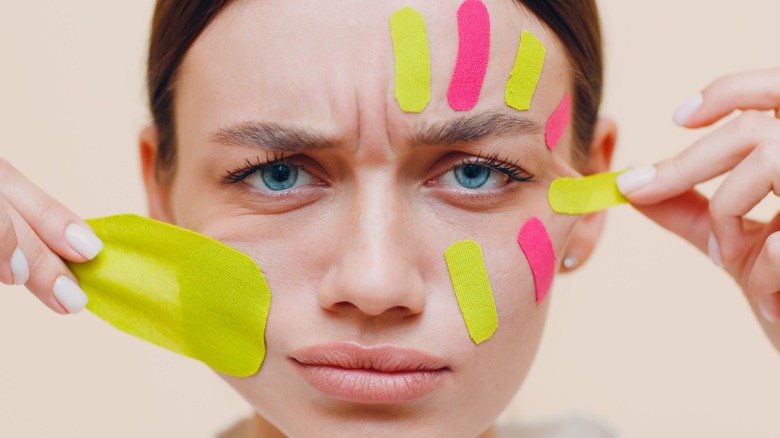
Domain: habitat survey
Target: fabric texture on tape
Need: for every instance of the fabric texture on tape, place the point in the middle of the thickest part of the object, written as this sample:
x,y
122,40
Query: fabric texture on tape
x,y
525,74
472,289
412,60
558,123
473,55
179,290
589,194
538,249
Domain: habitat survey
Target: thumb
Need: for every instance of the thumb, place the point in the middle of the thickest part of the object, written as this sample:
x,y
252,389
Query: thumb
x,y
686,215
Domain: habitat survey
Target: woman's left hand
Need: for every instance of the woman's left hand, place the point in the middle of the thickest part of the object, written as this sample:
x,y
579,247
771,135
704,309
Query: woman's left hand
x,y
749,148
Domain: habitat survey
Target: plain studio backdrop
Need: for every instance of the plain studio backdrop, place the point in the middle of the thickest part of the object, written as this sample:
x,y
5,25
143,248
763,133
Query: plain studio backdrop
x,y
650,335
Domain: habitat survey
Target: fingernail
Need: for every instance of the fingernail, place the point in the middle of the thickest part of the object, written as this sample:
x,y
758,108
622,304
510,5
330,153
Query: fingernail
x,y
83,240
19,267
714,250
635,178
70,295
766,314
688,109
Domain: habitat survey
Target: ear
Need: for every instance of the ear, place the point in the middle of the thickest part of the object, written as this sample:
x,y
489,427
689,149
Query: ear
x,y
157,192
588,228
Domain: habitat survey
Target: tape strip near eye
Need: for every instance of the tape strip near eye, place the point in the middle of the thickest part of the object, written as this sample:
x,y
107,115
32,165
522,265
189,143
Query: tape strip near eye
x,y
585,195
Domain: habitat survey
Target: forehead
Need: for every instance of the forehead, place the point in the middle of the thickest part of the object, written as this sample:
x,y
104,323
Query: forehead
x,y
330,64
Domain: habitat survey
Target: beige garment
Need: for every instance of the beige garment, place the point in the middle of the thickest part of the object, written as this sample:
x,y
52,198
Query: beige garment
x,y
568,427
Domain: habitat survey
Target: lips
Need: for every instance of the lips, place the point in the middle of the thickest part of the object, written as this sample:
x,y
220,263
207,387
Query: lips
x,y
381,374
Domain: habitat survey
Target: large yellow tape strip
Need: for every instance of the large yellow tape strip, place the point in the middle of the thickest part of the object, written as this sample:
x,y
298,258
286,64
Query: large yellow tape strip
x,y
180,290
412,60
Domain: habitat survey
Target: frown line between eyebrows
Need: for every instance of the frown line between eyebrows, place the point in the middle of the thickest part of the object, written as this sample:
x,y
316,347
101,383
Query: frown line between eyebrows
x,y
292,139
271,137
476,127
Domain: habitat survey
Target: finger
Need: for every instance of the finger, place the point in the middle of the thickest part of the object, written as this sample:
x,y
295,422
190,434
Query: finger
x,y
686,215
753,90
764,279
62,231
713,155
9,250
49,279
746,186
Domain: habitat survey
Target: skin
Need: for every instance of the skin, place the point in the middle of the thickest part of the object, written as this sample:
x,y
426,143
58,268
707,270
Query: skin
x,y
357,254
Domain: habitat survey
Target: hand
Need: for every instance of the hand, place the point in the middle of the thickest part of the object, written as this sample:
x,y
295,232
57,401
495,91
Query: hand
x,y
749,148
35,231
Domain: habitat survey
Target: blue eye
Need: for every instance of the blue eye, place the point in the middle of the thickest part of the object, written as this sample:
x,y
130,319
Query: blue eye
x,y
279,177
474,177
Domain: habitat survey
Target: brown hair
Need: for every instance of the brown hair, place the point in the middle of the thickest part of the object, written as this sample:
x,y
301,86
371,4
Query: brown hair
x,y
178,23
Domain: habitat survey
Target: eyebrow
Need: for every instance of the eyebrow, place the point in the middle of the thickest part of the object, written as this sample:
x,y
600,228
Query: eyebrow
x,y
292,139
476,127
271,136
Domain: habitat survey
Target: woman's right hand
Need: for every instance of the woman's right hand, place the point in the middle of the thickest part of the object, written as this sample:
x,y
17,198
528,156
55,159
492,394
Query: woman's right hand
x,y
36,233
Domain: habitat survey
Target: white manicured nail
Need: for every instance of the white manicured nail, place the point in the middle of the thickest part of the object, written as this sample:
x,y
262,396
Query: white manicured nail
x,y
20,269
688,109
714,250
70,295
766,314
635,178
83,240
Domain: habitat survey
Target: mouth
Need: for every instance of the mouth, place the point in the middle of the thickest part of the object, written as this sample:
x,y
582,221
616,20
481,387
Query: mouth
x,y
377,375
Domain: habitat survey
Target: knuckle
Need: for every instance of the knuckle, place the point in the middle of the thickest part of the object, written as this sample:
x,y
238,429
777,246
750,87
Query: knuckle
x,y
38,261
718,208
768,155
750,121
772,247
5,169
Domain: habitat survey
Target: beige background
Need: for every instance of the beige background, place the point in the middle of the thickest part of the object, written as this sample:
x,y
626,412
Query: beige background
x,y
651,336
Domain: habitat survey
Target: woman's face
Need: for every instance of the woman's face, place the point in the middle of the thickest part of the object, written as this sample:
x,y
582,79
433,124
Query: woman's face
x,y
351,224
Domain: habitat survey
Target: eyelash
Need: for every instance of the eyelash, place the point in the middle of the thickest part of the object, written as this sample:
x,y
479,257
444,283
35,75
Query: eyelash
x,y
510,168
241,173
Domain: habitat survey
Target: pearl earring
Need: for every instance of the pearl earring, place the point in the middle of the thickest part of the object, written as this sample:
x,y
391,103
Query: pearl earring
x,y
570,262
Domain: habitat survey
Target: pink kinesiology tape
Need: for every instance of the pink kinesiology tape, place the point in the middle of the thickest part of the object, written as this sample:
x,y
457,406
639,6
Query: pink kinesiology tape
x,y
538,249
558,123
473,55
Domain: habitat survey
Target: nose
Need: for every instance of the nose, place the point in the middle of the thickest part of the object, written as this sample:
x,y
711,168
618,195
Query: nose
x,y
374,270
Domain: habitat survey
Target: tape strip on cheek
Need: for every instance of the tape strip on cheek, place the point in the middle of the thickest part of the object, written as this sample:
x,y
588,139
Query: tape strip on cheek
x,y
179,290
473,55
538,249
472,289
585,195
526,72
412,60
558,123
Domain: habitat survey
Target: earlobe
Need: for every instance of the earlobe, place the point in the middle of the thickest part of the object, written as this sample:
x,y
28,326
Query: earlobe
x,y
157,193
587,230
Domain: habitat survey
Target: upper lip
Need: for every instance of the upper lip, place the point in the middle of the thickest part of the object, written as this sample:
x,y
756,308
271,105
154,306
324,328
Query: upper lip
x,y
386,358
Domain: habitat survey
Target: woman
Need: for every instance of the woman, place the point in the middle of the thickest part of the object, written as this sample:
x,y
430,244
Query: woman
x,y
350,232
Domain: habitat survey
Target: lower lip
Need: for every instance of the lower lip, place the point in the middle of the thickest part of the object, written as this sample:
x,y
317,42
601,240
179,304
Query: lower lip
x,y
371,386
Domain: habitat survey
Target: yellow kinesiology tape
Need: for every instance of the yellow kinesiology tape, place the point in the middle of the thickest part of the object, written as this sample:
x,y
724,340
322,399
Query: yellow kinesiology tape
x,y
180,290
585,195
472,289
